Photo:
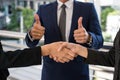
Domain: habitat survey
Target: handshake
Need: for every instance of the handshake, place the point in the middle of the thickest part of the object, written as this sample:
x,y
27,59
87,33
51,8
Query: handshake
x,y
63,51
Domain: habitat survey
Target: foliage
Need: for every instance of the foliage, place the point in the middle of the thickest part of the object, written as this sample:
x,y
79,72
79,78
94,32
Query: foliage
x,y
14,20
107,37
28,18
104,15
116,12
1,9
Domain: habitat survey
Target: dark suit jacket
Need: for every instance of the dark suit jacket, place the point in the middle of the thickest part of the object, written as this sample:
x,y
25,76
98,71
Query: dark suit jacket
x,y
18,58
76,69
111,58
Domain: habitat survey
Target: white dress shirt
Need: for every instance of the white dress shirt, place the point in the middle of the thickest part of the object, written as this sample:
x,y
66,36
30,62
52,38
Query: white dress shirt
x,y
69,13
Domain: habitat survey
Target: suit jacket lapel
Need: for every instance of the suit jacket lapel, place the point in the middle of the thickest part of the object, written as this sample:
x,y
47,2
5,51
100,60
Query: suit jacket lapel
x,y
54,19
53,14
75,16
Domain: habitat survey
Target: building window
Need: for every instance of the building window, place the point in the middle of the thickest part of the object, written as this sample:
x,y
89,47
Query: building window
x,y
25,3
9,9
31,4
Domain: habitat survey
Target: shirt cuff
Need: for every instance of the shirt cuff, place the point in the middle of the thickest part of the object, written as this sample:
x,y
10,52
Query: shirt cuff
x,y
31,39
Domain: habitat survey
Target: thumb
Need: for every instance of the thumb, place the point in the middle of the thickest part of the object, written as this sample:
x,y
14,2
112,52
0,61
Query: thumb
x,y
64,44
80,22
37,19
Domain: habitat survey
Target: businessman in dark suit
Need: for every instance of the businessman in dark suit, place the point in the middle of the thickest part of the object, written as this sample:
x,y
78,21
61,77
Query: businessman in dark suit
x,y
29,56
80,25
110,58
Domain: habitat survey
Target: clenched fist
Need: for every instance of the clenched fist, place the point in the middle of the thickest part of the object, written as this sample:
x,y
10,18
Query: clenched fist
x,y
37,30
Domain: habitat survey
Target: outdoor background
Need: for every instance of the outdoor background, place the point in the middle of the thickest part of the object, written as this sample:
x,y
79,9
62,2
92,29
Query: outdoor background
x,y
16,18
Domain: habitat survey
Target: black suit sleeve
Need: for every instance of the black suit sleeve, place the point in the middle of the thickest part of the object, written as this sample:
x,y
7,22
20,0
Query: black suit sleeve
x,y
20,58
101,58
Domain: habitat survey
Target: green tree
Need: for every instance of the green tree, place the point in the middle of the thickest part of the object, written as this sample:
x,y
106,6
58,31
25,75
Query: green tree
x,y
115,12
14,20
104,15
27,18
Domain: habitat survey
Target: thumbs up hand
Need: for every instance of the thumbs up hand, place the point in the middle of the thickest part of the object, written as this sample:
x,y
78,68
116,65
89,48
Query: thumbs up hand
x,y
80,34
37,30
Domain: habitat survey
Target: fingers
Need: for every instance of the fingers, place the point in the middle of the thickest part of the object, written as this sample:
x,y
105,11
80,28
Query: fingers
x,y
80,37
63,60
37,33
79,33
65,53
62,46
63,56
65,45
70,55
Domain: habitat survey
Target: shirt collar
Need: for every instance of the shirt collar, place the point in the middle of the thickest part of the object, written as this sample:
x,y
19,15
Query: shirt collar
x,y
68,4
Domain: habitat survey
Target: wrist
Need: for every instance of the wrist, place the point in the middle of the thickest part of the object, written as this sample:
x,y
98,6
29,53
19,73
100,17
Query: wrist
x,y
45,50
85,55
82,51
89,40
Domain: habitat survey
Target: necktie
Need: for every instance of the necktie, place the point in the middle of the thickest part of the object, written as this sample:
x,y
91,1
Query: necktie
x,y
62,22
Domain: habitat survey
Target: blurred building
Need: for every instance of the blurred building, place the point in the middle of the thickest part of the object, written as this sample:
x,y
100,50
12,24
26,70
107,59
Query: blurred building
x,y
6,8
6,5
33,4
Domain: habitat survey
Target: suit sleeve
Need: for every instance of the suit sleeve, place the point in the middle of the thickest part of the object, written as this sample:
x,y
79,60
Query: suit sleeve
x,y
29,42
20,58
103,58
94,29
